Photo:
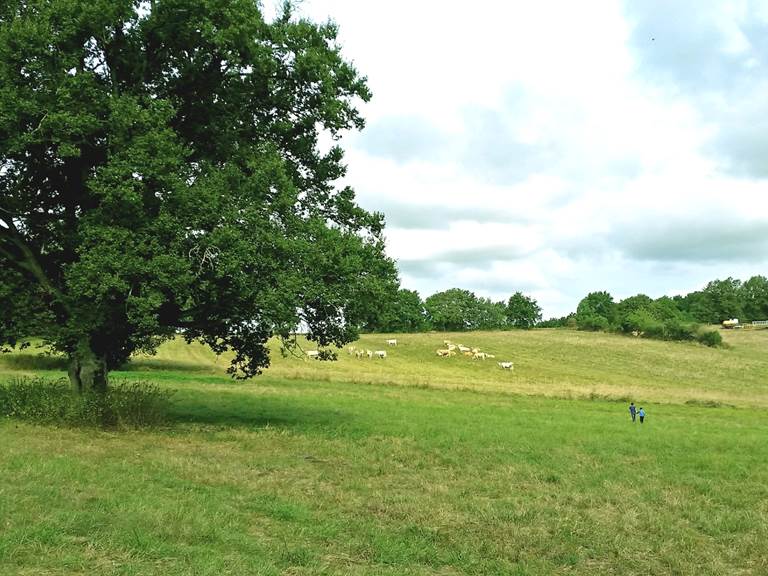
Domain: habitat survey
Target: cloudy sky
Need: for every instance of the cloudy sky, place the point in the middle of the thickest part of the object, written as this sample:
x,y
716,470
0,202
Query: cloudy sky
x,y
560,147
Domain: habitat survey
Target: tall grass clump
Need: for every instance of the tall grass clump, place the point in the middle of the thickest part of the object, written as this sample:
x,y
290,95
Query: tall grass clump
x,y
134,404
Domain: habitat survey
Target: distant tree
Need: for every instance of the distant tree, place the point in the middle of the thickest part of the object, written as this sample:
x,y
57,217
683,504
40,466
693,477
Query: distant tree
x,y
665,308
627,311
754,298
489,315
568,321
405,313
720,300
596,311
522,311
161,170
451,310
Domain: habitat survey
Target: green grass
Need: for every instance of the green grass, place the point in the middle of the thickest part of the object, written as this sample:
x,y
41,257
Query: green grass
x,y
554,363
412,465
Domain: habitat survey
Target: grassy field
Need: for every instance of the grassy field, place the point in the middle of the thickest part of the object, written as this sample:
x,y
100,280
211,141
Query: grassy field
x,y
410,465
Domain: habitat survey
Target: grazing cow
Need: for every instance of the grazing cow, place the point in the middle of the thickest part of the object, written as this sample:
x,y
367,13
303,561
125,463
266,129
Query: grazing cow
x,y
463,348
451,347
446,342
351,350
369,353
359,354
381,354
507,365
475,350
479,356
467,353
392,342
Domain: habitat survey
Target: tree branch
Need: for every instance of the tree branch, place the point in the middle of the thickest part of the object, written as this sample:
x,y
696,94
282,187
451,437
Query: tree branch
x,y
28,261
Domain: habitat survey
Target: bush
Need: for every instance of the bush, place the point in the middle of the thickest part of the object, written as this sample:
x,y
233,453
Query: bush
x,y
676,330
592,323
709,338
125,405
328,355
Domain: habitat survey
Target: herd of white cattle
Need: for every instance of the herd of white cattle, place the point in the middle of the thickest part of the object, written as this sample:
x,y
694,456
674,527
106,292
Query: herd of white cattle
x,y
450,349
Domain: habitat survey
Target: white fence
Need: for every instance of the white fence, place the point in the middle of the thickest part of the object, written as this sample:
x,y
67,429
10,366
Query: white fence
x,y
759,322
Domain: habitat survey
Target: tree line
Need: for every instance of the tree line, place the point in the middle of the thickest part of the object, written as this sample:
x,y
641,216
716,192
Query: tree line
x,y
672,318
452,310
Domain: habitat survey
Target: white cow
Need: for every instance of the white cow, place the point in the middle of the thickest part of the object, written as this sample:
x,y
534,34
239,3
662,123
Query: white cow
x,y
463,348
392,342
507,365
381,354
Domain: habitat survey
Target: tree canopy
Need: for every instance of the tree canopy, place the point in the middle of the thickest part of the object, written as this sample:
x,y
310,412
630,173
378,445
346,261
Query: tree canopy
x,y
523,311
161,171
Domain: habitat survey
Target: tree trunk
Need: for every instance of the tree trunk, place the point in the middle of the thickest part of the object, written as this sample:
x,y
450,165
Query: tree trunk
x,y
87,371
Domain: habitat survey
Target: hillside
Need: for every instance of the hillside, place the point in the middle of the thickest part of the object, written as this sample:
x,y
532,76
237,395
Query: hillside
x,y
556,363
559,363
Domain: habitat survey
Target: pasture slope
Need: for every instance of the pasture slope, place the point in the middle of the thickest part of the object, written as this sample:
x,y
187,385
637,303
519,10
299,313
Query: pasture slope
x,y
410,465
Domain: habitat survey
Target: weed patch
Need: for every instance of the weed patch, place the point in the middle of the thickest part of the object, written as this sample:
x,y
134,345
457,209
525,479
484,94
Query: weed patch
x,y
708,403
126,405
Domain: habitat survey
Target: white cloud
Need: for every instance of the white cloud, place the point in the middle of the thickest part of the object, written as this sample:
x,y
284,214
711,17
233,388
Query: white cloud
x,y
561,147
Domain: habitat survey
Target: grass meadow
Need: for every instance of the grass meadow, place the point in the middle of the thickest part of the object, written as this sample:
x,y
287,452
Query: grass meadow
x,y
410,465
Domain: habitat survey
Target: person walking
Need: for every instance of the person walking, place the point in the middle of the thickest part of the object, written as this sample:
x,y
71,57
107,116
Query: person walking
x,y
632,410
641,413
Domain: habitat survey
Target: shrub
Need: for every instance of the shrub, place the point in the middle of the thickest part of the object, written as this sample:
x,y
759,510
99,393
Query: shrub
x,y
592,323
652,329
676,330
709,338
327,354
126,405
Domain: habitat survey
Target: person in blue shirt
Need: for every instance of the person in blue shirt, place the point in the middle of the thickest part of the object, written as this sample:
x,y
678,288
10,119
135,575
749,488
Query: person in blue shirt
x,y
641,413
632,410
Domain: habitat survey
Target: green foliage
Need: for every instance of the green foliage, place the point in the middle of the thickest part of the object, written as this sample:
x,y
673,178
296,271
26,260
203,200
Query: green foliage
x,y
718,301
161,172
709,338
568,321
674,329
592,322
127,405
522,311
456,309
730,298
489,315
452,309
327,354
404,313
754,298
596,311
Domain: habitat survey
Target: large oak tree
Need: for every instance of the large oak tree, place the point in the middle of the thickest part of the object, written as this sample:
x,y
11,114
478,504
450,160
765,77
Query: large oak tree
x,y
168,166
